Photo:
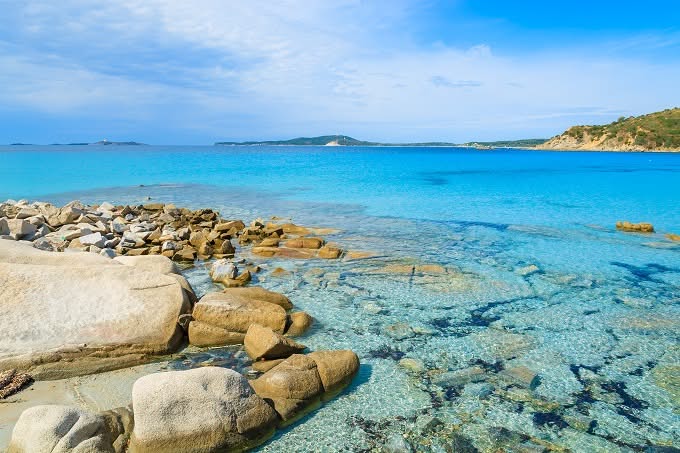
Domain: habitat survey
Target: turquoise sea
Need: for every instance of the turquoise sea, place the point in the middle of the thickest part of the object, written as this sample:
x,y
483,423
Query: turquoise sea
x,y
500,311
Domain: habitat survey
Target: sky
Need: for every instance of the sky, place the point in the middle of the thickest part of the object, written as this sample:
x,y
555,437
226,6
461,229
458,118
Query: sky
x,y
200,71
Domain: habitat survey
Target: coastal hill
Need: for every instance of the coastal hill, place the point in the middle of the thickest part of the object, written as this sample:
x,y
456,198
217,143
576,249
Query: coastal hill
x,y
659,131
344,140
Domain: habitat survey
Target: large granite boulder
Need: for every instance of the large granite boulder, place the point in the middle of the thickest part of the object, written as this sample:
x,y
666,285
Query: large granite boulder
x,y
67,314
301,382
336,369
298,323
262,343
293,387
232,314
60,429
200,410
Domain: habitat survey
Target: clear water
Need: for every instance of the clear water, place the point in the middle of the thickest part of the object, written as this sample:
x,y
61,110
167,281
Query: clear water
x,y
591,334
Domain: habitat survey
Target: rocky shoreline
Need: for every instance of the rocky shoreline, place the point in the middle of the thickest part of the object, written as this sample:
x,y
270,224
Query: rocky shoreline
x,y
120,301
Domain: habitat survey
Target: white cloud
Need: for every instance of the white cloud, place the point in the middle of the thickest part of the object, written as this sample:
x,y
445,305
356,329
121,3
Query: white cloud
x,y
303,67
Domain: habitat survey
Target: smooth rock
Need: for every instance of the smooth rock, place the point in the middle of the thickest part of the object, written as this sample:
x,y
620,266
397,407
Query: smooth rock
x,y
642,227
299,323
293,386
60,429
236,314
336,369
259,293
200,410
263,343
203,334
117,315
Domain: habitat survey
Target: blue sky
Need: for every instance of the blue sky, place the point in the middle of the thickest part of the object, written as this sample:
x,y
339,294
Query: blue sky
x,y
177,72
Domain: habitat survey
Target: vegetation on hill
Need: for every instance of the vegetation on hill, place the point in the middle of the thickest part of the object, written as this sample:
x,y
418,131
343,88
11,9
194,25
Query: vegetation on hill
x,y
659,131
344,140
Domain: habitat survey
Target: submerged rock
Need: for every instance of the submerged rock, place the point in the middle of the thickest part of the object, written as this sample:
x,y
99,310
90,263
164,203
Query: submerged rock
x,y
199,410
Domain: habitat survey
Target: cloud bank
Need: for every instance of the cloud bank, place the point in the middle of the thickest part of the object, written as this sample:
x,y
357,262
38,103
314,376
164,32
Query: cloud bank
x,y
166,71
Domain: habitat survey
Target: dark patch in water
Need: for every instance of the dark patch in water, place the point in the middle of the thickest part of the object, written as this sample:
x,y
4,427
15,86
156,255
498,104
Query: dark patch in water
x,y
645,273
495,367
590,312
385,352
549,419
630,404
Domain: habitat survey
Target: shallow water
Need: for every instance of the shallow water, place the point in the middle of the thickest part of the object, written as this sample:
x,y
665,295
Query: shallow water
x,y
540,328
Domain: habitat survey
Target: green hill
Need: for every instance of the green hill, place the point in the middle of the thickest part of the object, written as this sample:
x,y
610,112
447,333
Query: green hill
x,y
658,131
342,140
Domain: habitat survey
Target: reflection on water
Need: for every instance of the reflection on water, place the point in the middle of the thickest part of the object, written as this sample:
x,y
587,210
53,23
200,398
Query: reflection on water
x,y
472,335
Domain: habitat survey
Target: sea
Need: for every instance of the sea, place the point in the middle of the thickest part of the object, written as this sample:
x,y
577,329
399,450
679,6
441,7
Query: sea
x,y
492,302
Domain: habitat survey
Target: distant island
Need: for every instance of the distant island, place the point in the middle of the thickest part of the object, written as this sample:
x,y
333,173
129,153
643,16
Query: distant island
x,y
344,140
659,131
101,142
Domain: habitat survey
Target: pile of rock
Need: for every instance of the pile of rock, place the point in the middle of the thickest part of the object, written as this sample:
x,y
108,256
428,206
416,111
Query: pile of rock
x,y
287,241
225,318
152,229
641,227
199,410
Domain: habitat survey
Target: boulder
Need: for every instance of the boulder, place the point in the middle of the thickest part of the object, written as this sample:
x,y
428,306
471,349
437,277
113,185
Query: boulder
x,y
60,429
241,280
293,387
635,227
304,243
67,314
330,252
673,237
95,239
153,263
4,227
199,410
236,314
259,293
265,365
298,323
202,334
223,270
263,343
336,369
19,228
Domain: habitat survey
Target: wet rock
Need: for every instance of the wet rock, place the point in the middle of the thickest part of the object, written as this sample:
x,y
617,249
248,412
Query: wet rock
x,y
263,343
330,252
396,443
528,270
523,376
241,280
412,365
265,365
673,237
399,331
236,314
460,377
477,390
294,387
53,428
299,323
219,412
203,334
223,269
336,369
634,227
